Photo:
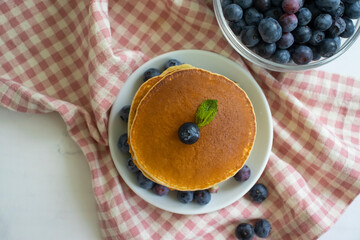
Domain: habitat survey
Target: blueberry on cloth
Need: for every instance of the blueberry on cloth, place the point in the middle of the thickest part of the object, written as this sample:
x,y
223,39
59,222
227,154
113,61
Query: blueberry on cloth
x,y
131,165
123,144
171,63
202,197
143,181
189,133
262,228
160,190
244,231
258,193
124,113
151,72
243,174
185,196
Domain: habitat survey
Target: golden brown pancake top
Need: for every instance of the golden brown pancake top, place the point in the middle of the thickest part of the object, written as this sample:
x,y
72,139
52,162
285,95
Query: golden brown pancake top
x,y
223,146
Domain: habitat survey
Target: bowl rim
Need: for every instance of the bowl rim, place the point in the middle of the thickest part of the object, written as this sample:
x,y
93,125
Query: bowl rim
x,y
268,64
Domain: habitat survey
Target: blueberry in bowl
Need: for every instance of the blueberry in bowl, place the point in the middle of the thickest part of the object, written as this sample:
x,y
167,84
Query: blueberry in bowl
x,y
314,25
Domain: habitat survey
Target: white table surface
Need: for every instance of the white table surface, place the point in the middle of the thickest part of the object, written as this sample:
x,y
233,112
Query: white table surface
x,y
45,184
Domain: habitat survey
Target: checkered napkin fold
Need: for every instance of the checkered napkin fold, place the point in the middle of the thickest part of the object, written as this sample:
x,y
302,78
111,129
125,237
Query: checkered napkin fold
x,y
73,57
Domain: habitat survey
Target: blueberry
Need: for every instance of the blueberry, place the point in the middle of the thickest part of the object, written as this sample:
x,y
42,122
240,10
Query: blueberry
x,y
189,133
253,16
313,8
160,190
250,36
328,47
304,16
281,56
349,1
236,27
151,72
338,12
349,29
302,55
262,228
338,42
317,37
224,3
288,22
258,193
327,5
323,22
143,181
276,3
243,174
171,63
337,27
185,197
123,144
244,4
316,54
286,40
270,30
265,49
124,113
233,12
244,231
274,12
202,197
131,165
302,34
262,5
352,10
291,6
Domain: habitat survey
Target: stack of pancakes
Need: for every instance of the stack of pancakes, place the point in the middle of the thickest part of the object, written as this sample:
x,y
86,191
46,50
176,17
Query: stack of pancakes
x,y
163,103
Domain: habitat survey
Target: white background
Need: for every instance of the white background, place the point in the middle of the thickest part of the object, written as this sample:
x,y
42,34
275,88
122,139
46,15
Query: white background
x,y
45,183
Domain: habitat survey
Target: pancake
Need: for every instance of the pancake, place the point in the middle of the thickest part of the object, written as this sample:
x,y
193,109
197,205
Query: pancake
x,y
223,146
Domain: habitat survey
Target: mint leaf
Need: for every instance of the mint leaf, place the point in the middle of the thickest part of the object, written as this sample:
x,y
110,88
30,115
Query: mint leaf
x,y
206,112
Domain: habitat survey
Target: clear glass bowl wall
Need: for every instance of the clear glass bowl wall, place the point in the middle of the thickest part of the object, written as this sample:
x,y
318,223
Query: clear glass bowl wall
x,y
268,64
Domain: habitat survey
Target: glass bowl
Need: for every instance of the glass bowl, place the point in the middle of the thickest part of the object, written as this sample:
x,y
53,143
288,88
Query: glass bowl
x,y
268,64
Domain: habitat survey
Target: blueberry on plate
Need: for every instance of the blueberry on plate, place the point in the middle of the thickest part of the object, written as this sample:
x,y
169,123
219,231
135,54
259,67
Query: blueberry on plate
x,y
123,144
244,231
202,197
302,55
243,174
189,133
124,113
143,181
160,190
151,72
270,30
185,196
171,63
258,193
131,165
262,228
233,12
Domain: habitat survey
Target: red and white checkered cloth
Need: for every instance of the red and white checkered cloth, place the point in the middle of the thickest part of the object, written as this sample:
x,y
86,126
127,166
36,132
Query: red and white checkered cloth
x,y
73,57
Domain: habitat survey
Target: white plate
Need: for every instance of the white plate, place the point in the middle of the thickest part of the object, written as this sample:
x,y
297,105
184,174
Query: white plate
x,y
230,190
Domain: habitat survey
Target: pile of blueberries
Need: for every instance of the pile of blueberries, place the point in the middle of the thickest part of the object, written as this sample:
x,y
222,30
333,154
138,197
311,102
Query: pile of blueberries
x,y
298,31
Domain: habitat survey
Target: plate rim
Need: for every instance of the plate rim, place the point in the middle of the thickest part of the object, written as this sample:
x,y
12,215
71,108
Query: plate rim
x,y
171,54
